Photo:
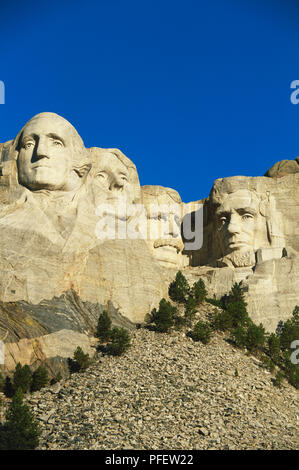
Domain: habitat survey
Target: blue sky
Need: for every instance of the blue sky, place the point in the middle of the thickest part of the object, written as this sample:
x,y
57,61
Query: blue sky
x,y
190,90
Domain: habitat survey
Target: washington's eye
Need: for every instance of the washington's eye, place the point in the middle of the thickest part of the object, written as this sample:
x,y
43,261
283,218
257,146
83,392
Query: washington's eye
x,y
222,220
57,143
28,145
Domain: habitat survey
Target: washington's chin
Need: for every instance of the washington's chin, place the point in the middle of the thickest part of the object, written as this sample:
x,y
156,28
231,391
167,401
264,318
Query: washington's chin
x,y
44,178
168,256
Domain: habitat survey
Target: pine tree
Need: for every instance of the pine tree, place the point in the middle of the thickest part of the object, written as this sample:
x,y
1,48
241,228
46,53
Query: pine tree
x,y
277,380
179,288
163,318
104,326
80,361
39,378
8,387
239,335
120,341
22,378
289,330
238,313
236,294
295,314
274,347
20,431
2,383
201,332
255,337
190,310
222,321
198,291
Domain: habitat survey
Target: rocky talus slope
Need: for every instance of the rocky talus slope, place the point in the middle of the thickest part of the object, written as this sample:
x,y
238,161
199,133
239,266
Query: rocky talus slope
x,y
168,392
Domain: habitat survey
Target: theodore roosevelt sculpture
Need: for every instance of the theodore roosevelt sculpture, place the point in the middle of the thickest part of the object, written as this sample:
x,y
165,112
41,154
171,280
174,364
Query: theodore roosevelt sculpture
x,y
164,214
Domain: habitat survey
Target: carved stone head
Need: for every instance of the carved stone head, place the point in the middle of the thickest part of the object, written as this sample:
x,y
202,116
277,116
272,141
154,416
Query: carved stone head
x,y
114,177
163,212
241,219
50,154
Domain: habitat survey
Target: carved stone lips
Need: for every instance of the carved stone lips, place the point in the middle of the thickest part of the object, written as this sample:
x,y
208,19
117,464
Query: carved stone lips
x,y
237,243
40,166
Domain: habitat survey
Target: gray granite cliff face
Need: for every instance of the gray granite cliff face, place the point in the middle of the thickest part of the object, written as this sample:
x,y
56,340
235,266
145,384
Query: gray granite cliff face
x,y
64,256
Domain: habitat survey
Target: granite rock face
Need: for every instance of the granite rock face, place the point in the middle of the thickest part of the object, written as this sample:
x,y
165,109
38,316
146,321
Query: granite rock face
x,y
251,236
52,238
163,216
79,235
283,168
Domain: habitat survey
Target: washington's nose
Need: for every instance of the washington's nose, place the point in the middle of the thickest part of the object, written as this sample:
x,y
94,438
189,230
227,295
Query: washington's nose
x,y
42,149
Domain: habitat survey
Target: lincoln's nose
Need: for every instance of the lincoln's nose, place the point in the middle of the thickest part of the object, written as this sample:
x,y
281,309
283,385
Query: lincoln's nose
x,y
233,225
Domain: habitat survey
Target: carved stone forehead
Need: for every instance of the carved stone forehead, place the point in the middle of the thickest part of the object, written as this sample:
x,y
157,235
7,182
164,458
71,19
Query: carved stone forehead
x,y
108,161
51,123
242,198
100,155
114,156
160,195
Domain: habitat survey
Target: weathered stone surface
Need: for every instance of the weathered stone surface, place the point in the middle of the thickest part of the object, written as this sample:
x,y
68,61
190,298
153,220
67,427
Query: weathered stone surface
x,y
283,168
22,319
63,256
168,392
49,232
163,217
48,225
250,233
61,344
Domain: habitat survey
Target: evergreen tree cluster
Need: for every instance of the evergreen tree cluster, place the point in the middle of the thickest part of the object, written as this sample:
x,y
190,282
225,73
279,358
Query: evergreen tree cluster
x,y
274,349
24,379
20,430
202,331
116,340
80,361
167,316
